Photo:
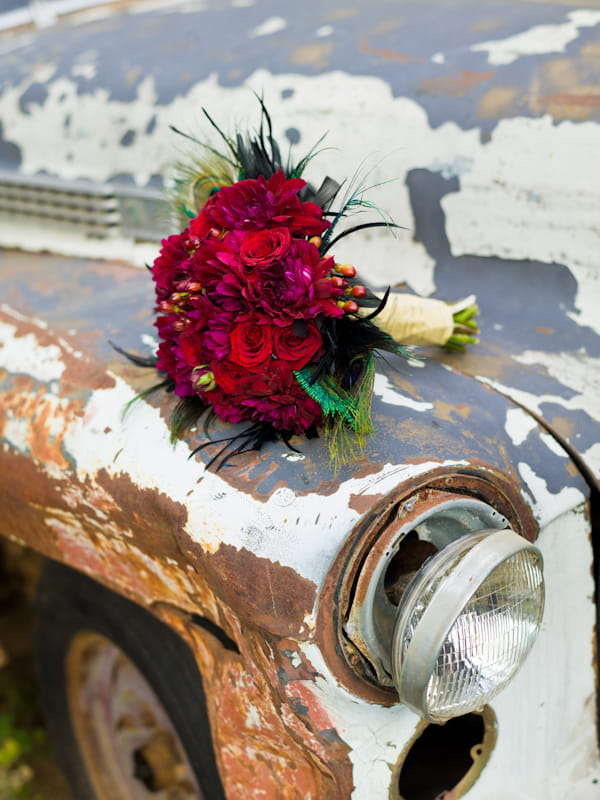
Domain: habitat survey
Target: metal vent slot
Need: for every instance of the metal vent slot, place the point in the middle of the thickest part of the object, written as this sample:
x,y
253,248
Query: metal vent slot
x,y
99,210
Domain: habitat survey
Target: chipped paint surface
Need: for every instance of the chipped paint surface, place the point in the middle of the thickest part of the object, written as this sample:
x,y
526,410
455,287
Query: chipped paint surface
x,y
517,201
547,505
578,370
248,548
489,130
497,212
539,39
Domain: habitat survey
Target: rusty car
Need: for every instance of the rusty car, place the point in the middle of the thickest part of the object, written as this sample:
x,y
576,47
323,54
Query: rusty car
x,y
277,628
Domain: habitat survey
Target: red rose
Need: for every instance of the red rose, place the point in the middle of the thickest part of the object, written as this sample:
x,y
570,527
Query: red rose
x,y
297,344
231,378
260,248
251,343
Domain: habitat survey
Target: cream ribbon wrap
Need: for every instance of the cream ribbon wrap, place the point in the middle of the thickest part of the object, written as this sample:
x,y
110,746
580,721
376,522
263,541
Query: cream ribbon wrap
x,y
415,320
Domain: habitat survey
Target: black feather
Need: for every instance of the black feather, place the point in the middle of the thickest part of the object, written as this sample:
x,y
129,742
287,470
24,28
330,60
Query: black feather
x,y
140,361
355,228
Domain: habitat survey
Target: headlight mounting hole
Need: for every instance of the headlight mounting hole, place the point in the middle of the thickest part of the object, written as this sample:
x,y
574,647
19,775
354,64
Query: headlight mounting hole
x,y
459,749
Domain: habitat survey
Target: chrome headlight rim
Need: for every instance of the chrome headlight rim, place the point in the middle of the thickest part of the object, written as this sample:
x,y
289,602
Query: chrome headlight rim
x,y
465,565
373,534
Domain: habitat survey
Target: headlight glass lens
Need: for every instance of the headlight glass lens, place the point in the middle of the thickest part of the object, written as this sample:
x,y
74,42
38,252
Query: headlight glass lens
x,y
466,623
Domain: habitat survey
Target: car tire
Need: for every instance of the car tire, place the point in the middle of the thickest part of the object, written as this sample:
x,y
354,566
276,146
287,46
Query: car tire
x,y
122,695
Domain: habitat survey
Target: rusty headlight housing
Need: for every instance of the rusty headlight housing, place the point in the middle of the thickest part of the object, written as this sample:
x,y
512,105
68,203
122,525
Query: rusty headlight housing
x,y
445,603
466,623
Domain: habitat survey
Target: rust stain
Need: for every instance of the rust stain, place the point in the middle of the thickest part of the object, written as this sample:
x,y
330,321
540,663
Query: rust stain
x,y
583,97
22,486
484,25
271,595
385,26
456,85
589,54
362,503
133,75
152,517
252,714
384,52
497,102
340,13
315,55
45,439
561,86
450,411
133,540
564,426
487,360
561,73
82,524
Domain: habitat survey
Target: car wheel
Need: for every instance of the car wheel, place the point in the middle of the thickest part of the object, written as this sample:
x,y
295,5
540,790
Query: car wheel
x,y
122,696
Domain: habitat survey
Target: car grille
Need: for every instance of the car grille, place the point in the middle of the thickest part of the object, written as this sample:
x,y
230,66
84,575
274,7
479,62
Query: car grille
x,y
96,210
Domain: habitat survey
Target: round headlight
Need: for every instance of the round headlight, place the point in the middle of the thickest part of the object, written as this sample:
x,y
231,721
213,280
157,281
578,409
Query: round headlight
x,y
466,622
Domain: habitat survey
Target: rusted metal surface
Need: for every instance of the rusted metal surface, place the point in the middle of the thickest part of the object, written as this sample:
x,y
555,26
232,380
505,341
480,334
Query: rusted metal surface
x,y
475,102
259,567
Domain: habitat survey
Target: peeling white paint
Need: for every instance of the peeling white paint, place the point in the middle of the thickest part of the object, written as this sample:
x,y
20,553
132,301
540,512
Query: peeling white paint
x,y
592,457
546,505
43,14
529,400
268,27
553,445
304,533
516,198
375,734
151,342
587,401
324,30
24,355
333,102
538,39
576,370
253,718
388,394
546,748
497,213
518,425
16,430
85,69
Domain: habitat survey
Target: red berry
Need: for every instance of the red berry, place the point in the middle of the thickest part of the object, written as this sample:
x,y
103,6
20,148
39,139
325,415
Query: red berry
x,y
338,283
347,270
165,306
359,291
350,307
